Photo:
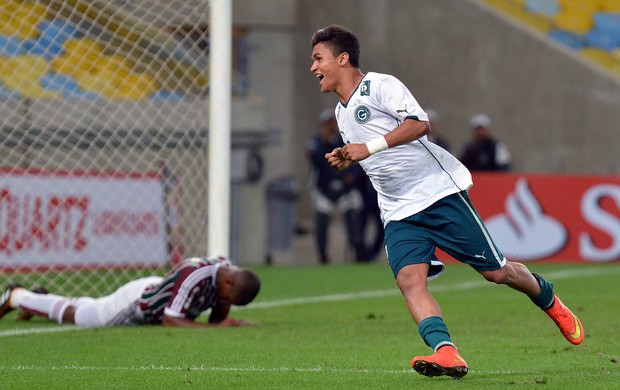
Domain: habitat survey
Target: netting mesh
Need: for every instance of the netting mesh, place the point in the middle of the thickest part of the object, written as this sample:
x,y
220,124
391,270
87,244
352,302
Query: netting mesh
x,y
102,140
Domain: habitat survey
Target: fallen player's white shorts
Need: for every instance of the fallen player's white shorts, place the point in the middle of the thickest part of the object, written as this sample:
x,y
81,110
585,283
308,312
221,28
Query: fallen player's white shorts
x,y
117,308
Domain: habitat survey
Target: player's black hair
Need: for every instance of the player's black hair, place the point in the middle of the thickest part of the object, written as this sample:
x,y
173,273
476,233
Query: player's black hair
x,y
247,285
340,40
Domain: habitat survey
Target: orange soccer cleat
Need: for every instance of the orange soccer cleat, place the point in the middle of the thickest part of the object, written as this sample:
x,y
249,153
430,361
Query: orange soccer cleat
x,y
569,324
446,361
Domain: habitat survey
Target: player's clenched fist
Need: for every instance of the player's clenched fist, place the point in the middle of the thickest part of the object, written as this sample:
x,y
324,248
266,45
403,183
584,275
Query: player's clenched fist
x,y
337,159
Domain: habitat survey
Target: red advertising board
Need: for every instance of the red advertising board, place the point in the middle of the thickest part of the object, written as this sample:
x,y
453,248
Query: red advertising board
x,y
77,219
535,217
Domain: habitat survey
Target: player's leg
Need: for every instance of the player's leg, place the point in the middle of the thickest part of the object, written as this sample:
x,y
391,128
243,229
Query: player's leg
x,y
321,226
351,205
412,259
412,281
540,291
46,305
475,247
354,234
323,210
25,316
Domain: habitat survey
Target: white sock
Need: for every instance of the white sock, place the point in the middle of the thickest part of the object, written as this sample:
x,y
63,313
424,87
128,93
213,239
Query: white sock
x,y
50,305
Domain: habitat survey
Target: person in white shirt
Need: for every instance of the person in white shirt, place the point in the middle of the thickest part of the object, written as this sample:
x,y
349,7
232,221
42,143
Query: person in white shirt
x,y
422,194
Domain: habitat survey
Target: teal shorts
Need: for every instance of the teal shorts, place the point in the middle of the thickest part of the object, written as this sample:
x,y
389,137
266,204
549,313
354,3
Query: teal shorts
x,y
451,224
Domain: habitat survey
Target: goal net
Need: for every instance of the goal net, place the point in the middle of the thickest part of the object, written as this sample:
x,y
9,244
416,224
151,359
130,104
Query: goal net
x,y
102,140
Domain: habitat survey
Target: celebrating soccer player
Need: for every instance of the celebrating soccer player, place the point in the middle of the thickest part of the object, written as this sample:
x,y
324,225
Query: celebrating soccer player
x,y
422,193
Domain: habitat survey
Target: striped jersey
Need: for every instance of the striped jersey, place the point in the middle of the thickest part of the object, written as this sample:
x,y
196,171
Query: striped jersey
x,y
186,291
410,177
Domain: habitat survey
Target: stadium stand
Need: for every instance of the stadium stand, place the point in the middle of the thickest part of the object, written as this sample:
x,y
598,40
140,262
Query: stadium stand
x,y
44,55
590,27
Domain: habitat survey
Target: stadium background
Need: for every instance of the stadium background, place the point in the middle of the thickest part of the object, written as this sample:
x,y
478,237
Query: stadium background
x,y
556,109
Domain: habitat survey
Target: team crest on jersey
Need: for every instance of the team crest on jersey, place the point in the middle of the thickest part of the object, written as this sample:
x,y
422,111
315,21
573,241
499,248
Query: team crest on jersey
x,y
362,114
365,88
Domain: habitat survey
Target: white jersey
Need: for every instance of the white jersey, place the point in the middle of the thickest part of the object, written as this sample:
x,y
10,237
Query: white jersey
x,y
410,177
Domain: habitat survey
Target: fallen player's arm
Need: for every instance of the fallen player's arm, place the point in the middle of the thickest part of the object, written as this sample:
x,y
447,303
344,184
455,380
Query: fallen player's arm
x,y
182,322
219,316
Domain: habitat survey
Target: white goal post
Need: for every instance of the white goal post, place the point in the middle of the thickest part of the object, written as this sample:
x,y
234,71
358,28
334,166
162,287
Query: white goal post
x,y
103,140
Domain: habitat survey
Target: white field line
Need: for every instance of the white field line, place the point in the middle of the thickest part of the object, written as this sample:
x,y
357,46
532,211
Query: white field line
x,y
251,369
564,274
200,368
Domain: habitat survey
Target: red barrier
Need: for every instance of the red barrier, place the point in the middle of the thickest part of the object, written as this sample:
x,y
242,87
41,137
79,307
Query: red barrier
x,y
555,218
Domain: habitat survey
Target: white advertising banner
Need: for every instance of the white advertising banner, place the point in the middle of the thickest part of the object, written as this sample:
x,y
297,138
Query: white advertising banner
x,y
81,219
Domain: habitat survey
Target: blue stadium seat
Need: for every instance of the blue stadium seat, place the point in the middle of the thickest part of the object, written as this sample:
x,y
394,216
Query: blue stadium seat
x,y
166,95
607,21
569,39
606,32
66,85
8,92
602,40
52,36
81,94
543,7
10,46
58,82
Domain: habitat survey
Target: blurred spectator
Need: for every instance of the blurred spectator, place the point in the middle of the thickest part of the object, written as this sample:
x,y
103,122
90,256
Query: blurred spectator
x,y
334,191
370,221
435,136
483,152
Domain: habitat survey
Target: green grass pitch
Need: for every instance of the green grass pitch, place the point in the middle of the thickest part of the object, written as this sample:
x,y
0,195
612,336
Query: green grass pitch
x,y
338,327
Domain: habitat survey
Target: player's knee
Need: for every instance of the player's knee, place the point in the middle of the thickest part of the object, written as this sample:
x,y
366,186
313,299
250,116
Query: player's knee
x,y
68,317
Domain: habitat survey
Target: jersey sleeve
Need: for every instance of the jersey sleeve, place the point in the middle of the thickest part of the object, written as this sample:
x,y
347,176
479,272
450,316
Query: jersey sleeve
x,y
395,97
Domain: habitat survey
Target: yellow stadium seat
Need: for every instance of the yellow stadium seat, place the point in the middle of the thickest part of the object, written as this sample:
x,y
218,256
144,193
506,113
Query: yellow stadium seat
x,y
539,22
587,7
138,86
115,67
80,56
33,65
5,68
97,83
23,20
19,29
7,8
573,21
33,10
86,48
599,56
610,5
22,74
68,65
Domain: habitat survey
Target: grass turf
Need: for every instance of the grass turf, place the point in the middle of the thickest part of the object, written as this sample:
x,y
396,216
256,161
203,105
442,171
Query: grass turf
x,y
338,327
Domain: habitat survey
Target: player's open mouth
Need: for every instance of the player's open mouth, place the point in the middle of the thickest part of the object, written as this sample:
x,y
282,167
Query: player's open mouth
x,y
320,77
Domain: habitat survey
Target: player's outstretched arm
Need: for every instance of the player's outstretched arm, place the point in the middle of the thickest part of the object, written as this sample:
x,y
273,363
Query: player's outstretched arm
x,y
181,322
231,322
219,316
